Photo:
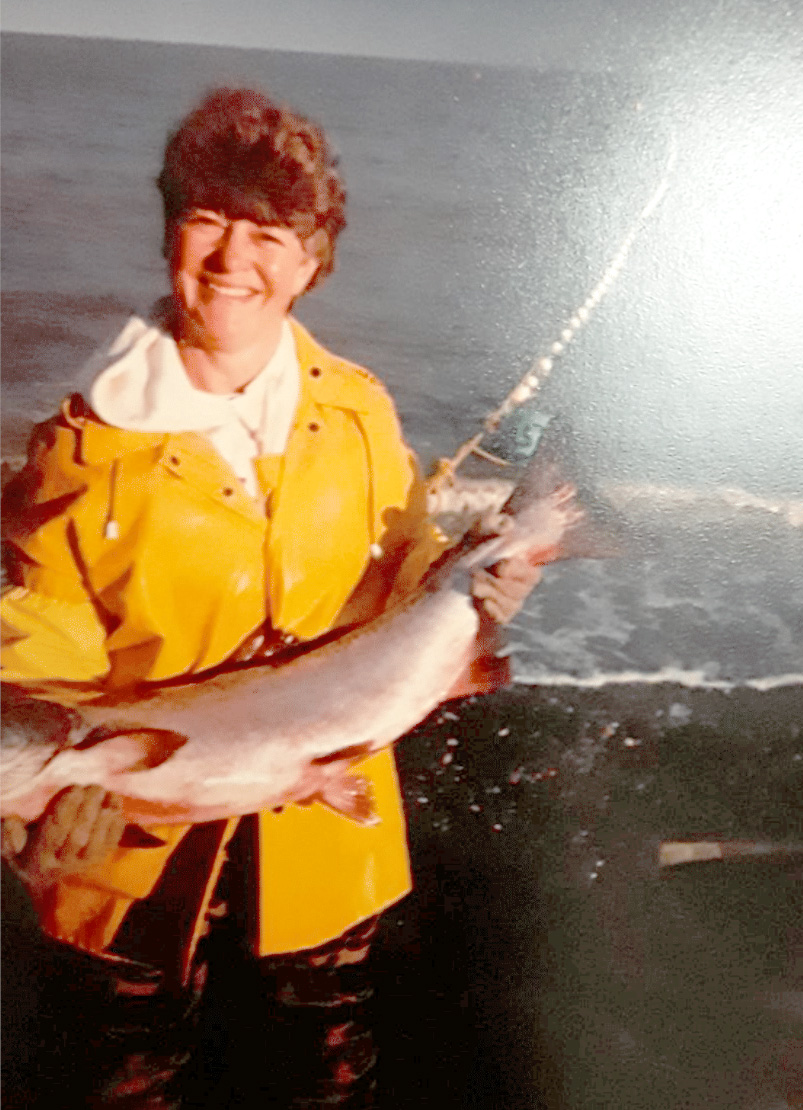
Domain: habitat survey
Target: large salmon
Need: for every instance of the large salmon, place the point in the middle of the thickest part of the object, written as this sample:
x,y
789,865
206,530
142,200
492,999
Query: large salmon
x,y
256,735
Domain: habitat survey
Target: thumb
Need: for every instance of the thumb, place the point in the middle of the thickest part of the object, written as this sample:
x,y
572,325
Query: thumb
x,y
14,836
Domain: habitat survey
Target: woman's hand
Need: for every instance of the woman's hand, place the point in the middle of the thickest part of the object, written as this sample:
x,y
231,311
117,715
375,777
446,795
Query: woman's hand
x,y
504,587
80,828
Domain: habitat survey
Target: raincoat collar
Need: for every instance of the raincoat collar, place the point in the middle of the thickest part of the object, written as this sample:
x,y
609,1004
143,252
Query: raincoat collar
x,y
325,380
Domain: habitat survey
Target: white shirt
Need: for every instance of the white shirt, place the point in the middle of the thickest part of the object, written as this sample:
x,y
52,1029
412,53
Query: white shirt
x,y
144,387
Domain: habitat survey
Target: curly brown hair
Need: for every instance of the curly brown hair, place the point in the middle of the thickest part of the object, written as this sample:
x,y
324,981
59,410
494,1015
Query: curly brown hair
x,y
242,154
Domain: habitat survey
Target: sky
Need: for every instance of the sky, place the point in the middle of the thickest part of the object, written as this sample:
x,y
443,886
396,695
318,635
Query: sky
x,y
594,34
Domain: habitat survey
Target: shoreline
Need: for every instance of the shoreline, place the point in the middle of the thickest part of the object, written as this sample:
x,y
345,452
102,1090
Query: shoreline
x,y
711,701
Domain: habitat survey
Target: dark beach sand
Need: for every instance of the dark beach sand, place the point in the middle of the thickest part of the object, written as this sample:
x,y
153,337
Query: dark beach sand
x,y
554,965
546,962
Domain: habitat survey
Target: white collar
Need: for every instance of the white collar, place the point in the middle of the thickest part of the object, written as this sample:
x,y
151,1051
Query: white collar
x,y
143,385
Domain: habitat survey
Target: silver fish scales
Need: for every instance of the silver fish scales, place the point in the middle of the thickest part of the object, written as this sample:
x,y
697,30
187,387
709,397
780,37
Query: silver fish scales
x,y
253,736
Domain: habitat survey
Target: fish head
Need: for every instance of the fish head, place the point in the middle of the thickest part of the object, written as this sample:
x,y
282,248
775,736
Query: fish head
x,y
33,732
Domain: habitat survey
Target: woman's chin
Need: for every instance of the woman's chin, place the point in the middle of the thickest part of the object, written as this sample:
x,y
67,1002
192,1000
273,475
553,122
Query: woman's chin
x,y
229,327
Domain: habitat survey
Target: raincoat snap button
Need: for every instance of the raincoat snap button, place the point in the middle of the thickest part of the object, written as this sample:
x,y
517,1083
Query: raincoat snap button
x,y
314,427
175,460
228,492
315,372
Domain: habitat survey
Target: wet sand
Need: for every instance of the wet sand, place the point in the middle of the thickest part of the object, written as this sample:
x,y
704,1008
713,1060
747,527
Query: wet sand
x,y
555,965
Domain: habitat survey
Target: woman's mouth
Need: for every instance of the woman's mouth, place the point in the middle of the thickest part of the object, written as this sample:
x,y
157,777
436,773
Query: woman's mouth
x,y
235,292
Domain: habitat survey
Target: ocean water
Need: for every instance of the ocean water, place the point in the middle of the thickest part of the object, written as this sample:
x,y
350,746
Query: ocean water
x,y
485,204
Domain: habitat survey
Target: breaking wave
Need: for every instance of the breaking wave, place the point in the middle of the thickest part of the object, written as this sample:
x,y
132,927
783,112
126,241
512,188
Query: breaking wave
x,y
624,495
692,679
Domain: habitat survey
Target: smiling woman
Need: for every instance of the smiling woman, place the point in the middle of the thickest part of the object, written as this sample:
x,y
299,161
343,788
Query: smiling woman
x,y
227,486
226,480
234,282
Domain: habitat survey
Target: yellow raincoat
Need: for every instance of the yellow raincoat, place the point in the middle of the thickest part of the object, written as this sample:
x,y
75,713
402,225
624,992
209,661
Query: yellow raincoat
x,y
139,556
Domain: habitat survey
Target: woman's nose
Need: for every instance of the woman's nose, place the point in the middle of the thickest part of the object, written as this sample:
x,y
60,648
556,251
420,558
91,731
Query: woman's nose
x,y
232,250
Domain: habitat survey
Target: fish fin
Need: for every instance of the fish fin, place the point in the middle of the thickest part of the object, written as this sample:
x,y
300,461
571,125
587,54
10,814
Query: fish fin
x,y
134,836
486,670
587,539
352,796
350,755
134,749
597,532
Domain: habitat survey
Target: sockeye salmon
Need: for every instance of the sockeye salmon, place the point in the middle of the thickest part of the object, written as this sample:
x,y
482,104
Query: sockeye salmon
x,y
253,736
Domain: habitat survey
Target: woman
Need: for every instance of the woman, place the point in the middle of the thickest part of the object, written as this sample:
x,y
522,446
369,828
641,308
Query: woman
x,y
226,481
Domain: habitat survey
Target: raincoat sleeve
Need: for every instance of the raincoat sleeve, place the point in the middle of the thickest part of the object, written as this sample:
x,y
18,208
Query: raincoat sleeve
x,y
51,629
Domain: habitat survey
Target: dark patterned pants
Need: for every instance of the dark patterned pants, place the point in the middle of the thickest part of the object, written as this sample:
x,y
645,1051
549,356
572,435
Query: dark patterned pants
x,y
292,1031
315,1047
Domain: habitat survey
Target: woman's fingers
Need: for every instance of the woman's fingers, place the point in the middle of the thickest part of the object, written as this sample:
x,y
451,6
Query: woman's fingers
x,y
106,831
15,836
504,588
82,825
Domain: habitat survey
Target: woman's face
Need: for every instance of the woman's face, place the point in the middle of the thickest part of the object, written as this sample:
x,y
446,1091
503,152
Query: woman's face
x,y
235,280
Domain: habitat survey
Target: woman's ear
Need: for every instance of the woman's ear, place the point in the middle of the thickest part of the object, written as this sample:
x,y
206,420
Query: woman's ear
x,y
307,271
317,247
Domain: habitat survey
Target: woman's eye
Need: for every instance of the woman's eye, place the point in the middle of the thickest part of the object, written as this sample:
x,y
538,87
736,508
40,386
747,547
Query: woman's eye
x,y
200,219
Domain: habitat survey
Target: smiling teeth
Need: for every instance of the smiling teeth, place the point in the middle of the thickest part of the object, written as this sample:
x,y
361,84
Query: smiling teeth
x,y
230,291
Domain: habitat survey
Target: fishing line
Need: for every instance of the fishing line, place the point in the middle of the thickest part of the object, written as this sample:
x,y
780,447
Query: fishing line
x,y
543,363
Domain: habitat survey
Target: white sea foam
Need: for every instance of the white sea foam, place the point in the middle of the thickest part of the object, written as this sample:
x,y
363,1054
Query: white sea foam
x,y
692,679
625,494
